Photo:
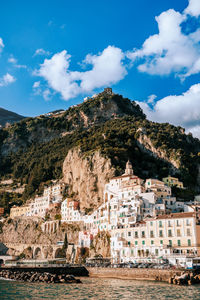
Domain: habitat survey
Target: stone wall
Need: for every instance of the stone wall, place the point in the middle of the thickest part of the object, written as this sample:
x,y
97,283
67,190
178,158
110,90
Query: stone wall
x,y
137,274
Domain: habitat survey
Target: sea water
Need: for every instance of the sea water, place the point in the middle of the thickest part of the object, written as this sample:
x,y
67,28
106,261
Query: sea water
x,y
98,289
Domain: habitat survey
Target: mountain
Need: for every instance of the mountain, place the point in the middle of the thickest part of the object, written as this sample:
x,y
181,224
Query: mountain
x,y
9,117
91,142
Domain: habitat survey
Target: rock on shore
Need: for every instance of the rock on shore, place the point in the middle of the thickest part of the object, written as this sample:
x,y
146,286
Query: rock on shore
x,y
38,277
185,279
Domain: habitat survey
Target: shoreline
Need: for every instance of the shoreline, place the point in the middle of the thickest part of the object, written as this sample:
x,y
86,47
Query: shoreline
x,y
186,277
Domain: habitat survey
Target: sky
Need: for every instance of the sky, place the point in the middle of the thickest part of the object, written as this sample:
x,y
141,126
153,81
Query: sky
x,y
55,53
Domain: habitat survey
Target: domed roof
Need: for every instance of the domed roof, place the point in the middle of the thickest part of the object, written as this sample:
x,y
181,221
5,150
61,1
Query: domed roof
x,y
129,168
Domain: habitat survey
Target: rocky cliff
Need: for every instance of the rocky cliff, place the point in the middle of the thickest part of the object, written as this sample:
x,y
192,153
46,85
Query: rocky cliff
x,y
146,145
86,176
28,231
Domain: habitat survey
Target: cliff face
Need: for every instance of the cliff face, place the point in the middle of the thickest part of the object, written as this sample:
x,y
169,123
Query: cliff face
x,y
87,176
28,231
145,144
101,245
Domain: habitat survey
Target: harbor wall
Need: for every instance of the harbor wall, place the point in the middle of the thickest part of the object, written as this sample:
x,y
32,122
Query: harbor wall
x,y
76,271
133,273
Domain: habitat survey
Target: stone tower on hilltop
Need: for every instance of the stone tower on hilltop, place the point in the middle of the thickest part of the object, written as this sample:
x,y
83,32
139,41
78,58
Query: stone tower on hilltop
x,y
108,91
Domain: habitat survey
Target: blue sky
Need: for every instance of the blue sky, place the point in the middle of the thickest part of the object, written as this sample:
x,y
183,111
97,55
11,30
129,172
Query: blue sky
x,y
55,53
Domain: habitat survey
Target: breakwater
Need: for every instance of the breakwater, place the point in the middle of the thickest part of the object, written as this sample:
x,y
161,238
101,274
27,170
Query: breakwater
x,y
137,274
79,271
38,277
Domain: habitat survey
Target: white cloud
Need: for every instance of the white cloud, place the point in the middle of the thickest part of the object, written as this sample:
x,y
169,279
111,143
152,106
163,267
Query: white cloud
x,y
193,8
36,84
1,44
151,98
41,52
183,110
170,50
13,61
46,95
7,79
107,68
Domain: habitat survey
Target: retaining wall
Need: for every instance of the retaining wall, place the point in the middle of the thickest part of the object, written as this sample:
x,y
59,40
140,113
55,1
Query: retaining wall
x,y
133,273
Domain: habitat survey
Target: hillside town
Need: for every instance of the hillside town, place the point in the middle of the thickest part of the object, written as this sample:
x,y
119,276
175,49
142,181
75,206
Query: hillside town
x,y
144,221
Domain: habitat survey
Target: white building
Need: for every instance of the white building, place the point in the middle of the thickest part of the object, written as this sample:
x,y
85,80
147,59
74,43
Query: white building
x,y
70,211
52,194
160,237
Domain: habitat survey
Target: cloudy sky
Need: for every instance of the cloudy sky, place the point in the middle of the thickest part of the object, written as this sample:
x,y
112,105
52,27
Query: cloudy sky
x,y
54,53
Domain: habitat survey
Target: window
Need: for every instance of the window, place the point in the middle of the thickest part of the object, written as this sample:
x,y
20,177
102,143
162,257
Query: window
x,y
178,232
129,233
170,243
136,242
189,242
160,223
132,252
187,222
169,232
179,242
151,234
188,232
143,242
143,233
169,224
136,234
156,252
178,223
151,223
161,242
129,243
152,242
160,233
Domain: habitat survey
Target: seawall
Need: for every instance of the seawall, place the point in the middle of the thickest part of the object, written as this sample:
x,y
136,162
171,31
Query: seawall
x,y
76,271
137,274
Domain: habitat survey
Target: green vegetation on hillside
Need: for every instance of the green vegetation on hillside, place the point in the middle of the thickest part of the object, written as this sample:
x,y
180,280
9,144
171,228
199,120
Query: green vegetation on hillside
x,y
116,136
7,200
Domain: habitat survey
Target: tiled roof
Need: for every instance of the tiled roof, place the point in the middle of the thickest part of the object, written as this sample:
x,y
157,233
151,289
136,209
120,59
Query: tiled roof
x,y
176,215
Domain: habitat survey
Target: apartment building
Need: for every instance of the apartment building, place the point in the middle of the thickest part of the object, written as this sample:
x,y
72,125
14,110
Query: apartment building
x,y
19,211
70,211
162,236
173,181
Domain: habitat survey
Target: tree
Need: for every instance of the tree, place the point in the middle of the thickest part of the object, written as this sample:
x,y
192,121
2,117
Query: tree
x,y
65,245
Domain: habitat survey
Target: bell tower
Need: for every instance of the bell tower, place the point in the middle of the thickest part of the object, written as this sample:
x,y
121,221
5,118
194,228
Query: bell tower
x,y
129,168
